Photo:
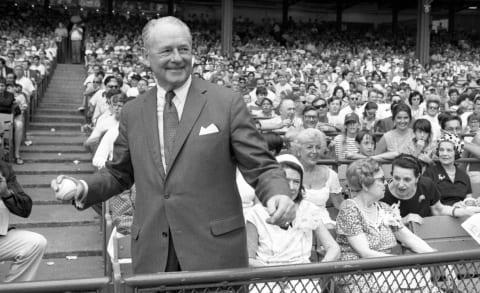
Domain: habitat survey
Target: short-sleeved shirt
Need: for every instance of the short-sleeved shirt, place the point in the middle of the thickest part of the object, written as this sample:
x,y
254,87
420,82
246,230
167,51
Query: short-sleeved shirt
x,y
450,192
427,195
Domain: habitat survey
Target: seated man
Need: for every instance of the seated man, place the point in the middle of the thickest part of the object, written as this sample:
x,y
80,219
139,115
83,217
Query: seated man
x,y
105,122
24,248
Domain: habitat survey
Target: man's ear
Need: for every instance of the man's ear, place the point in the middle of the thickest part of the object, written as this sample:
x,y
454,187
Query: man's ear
x,y
145,57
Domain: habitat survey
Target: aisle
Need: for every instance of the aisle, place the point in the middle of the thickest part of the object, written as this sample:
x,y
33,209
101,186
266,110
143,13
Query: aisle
x,y
74,238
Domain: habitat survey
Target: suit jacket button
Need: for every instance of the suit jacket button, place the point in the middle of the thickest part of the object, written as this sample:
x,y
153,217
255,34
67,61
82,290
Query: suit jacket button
x,y
164,234
166,196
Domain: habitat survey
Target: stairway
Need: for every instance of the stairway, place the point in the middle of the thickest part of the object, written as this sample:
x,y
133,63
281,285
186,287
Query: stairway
x,y
75,246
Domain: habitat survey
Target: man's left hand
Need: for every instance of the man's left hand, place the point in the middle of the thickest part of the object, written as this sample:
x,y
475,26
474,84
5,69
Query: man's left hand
x,y
281,210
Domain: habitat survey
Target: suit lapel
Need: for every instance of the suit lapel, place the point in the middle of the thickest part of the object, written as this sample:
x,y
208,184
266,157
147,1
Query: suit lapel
x,y
193,107
151,128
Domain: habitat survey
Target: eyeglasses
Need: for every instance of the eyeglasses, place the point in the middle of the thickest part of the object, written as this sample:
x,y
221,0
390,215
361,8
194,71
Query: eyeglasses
x,y
320,106
380,179
97,81
353,98
433,108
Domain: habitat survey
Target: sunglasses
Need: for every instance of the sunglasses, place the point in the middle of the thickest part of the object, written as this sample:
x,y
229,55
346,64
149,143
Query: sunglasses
x,y
320,106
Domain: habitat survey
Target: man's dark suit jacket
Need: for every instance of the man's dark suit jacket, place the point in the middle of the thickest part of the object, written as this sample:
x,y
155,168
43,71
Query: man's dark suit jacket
x,y
197,200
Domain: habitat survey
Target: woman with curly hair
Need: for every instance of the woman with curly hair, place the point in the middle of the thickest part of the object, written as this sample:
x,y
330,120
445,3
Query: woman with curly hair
x,y
368,228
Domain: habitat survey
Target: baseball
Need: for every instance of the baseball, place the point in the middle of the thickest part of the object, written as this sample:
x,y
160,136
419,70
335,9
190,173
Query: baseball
x,y
66,190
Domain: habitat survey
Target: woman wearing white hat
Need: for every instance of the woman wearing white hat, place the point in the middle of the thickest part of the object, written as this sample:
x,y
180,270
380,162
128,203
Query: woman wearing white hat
x,y
270,245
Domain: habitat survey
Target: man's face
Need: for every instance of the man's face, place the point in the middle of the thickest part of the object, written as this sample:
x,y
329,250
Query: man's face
x,y
432,109
2,87
288,109
453,126
169,51
25,65
18,70
142,86
116,108
310,119
112,85
10,78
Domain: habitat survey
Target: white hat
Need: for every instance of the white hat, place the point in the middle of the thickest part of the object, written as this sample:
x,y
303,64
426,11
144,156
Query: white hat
x,y
291,159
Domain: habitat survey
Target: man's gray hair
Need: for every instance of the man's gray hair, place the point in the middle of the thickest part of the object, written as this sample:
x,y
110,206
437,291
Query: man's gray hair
x,y
152,24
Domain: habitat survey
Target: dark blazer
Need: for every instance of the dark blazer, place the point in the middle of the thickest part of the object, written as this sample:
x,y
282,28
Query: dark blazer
x,y
19,203
197,200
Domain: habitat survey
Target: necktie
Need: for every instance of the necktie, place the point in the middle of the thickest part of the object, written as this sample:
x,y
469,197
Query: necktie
x,y
170,125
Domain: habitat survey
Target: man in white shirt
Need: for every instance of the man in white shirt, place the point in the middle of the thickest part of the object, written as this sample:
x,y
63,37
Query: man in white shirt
x,y
27,85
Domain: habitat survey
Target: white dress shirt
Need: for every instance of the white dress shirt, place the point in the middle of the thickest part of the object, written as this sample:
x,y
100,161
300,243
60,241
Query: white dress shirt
x,y
179,101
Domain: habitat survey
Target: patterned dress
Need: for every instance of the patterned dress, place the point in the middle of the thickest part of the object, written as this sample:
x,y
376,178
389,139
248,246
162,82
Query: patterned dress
x,y
351,221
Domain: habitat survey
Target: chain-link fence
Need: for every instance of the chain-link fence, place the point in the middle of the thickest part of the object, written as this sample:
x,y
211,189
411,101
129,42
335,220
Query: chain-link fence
x,y
452,272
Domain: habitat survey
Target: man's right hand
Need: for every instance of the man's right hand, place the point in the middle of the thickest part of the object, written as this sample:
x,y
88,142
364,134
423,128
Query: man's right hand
x,y
67,188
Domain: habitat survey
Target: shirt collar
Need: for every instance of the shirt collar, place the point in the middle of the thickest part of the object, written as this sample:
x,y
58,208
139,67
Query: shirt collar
x,y
180,93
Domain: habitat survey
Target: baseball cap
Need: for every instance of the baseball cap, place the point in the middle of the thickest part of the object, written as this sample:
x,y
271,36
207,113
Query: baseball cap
x,y
289,158
351,117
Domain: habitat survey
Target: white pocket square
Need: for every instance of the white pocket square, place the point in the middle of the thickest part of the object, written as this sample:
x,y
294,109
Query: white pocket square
x,y
208,130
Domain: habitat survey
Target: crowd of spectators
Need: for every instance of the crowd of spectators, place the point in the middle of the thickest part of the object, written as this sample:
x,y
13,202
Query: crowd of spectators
x,y
27,49
319,94
358,94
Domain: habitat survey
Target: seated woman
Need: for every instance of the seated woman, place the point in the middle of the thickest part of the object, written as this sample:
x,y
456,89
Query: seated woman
x,y
367,228
345,143
417,196
369,116
393,141
321,183
366,143
421,144
452,182
270,245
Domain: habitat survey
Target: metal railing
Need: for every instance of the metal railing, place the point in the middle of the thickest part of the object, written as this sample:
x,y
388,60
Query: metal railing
x,y
97,285
457,271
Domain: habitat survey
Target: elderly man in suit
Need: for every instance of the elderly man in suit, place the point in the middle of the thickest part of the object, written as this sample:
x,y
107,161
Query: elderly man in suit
x,y
180,143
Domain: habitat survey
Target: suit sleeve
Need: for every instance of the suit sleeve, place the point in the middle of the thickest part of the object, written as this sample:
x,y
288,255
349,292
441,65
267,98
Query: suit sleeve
x,y
19,203
118,174
255,162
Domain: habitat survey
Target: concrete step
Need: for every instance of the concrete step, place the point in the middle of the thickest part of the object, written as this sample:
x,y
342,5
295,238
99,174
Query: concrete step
x,y
69,106
62,100
56,133
75,240
41,180
41,111
54,168
43,196
63,268
54,148
78,139
57,158
59,118
57,126
55,216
